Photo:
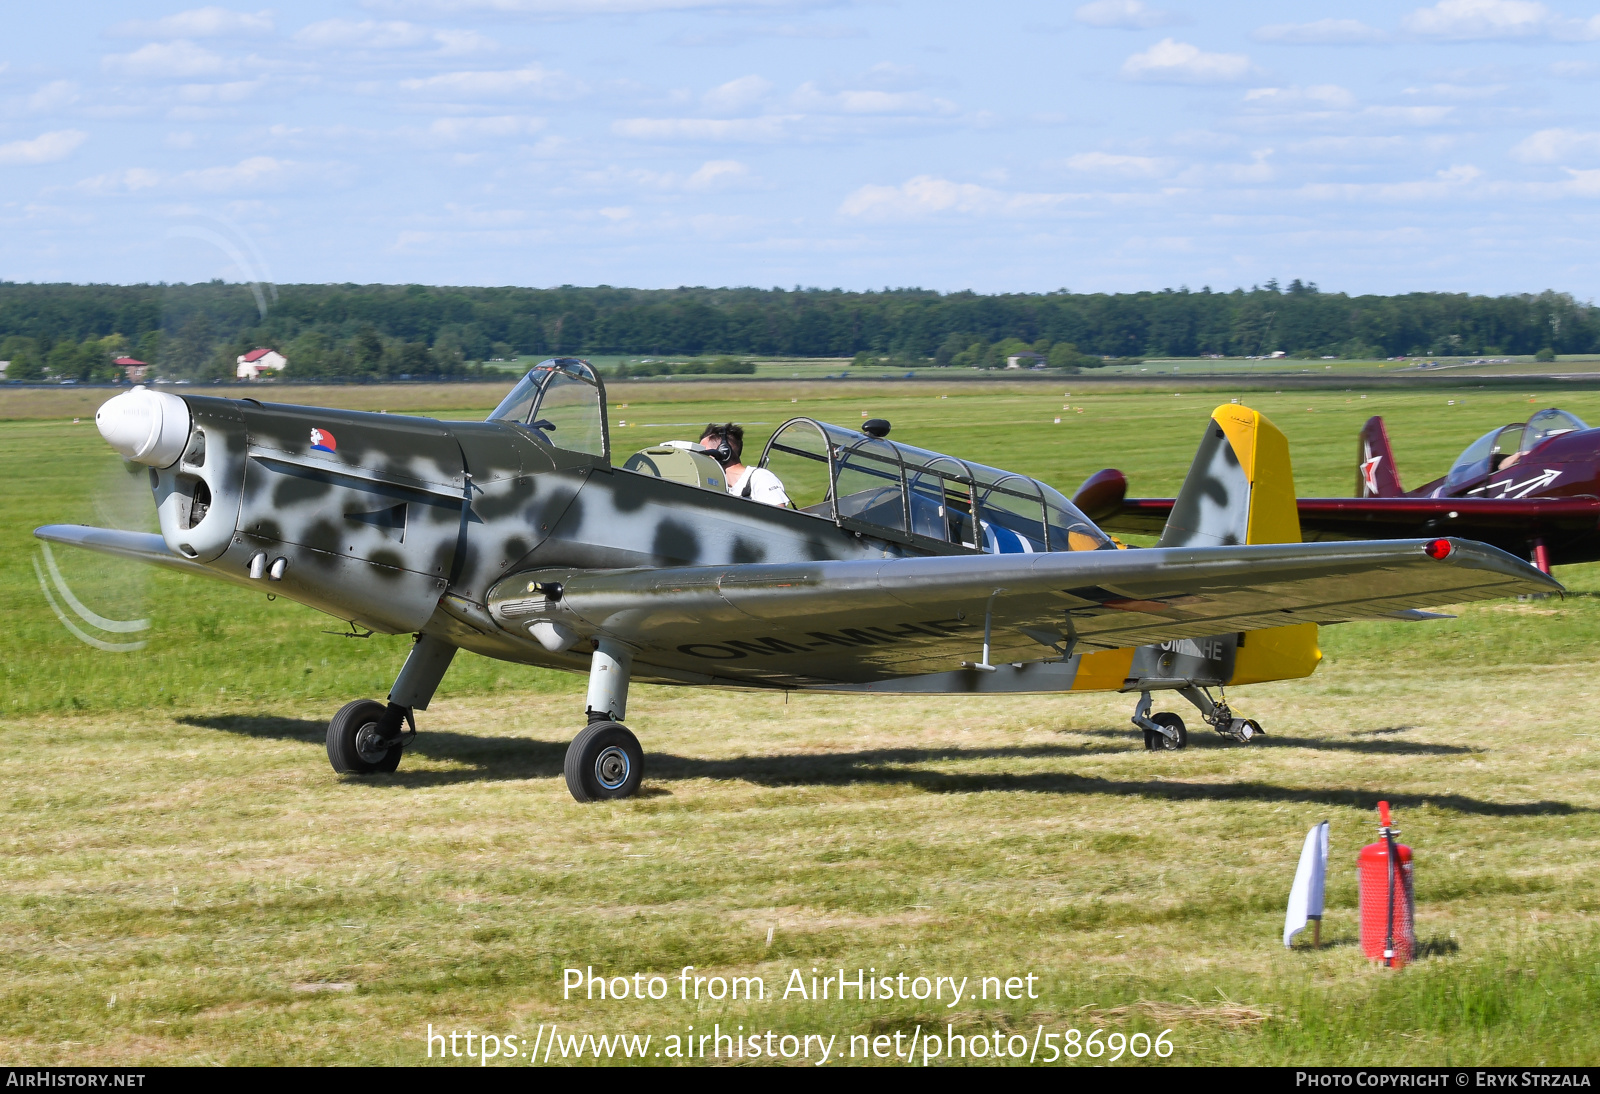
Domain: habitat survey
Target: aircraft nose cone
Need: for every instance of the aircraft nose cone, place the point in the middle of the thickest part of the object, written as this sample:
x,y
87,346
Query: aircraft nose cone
x,y
148,427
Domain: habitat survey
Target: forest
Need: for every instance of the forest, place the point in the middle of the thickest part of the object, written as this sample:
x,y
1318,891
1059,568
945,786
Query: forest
x,y
372,332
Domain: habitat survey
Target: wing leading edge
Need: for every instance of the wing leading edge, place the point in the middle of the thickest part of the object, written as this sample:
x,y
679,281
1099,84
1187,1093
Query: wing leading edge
x,y
861,621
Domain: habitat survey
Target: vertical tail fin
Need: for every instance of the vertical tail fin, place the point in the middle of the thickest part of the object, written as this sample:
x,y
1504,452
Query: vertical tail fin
x,y
1240,489
1376,477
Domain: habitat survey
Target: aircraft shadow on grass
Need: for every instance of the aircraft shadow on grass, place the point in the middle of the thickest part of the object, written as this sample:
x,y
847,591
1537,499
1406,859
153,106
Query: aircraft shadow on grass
x,y
506,758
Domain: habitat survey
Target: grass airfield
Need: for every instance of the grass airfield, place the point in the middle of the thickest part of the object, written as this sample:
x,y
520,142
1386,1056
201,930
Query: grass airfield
x,y
187,882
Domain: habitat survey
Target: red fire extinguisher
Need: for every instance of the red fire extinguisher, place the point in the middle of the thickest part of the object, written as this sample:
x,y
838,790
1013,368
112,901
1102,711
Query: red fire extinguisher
x,y
1388,903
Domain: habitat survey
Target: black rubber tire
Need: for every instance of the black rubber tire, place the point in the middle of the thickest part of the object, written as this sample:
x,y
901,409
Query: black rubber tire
x,y
344,732
1159,742
604,762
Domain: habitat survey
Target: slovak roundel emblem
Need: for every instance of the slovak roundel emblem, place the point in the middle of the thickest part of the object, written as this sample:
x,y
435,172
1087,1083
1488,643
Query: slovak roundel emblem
x,y
322,441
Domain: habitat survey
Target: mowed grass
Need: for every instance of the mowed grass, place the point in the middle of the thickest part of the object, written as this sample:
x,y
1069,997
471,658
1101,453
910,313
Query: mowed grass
x,y
187,881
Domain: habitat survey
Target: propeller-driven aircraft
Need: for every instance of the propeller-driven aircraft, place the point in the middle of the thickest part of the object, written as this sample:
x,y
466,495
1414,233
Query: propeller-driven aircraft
x,y
1531,488
897,569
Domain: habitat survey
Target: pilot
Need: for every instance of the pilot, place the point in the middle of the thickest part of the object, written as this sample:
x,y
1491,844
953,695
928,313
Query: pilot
x,y
725,444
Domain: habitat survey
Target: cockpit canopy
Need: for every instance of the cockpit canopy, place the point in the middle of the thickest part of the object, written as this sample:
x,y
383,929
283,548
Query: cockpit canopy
x,y
561,402
1485,455
884,488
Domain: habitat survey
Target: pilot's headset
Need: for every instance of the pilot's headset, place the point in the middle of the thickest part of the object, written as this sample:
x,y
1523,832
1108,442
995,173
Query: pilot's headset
x,y
723,453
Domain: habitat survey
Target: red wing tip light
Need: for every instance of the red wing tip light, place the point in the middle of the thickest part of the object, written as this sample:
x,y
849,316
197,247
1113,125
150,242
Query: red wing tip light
x,y
1439,549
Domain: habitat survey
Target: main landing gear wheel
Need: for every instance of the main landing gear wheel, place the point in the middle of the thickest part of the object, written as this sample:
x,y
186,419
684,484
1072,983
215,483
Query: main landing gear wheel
x,y
604,762
1160,742
355,746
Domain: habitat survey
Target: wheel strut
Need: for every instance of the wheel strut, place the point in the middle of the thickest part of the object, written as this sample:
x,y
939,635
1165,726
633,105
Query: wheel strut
x,y
1220,716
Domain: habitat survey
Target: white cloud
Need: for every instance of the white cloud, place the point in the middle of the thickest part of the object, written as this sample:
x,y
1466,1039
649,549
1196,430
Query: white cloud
x,y
208,22
1360,149
1459,92
1170,61
711,175
1107,163
457,42
1257,171
714,174
257,173
926,196
1315,97
45,148
1452,182
888,76
772,127
615,213
585,7
53,96
120,182
1121,14
1350,147
171,59
1557,145
1497,20
739,35
232,92
1410,115
1575,70
534,80
735,95
498,128
371,34
810,97
1582,183
1323,32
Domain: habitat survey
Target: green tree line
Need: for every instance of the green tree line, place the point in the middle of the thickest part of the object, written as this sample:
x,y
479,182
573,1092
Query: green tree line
x,y
388,331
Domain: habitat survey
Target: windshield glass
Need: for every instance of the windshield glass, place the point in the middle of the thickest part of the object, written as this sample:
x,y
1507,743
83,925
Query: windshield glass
x,y
913,493
1549,423
562,403
1473,461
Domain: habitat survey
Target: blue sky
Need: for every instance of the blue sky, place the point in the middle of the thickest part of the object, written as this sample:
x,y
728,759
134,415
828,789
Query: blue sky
x,y
1009,146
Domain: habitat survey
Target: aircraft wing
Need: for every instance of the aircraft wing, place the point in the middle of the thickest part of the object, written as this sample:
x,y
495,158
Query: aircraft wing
x,y
137,546
1506,523
858,621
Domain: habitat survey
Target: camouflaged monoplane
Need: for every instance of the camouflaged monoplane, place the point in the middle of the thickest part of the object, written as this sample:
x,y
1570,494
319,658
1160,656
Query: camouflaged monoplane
x,y
898,570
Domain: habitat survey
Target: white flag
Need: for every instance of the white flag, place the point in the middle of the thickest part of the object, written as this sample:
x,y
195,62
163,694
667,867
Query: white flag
x,y
1305,898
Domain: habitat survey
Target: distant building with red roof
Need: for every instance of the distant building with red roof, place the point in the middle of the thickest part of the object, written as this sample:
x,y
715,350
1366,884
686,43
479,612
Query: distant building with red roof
x,y
132,368
251,365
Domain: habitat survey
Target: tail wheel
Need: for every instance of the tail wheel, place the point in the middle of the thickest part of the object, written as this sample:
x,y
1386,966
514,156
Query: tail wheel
x,y
354,744
1160,742
604,762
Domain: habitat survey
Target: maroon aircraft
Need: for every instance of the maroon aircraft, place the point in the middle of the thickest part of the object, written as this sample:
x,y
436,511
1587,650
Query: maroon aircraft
x,y
1531,488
